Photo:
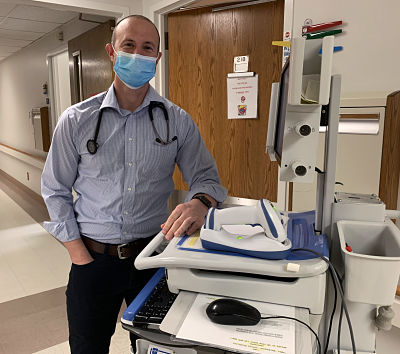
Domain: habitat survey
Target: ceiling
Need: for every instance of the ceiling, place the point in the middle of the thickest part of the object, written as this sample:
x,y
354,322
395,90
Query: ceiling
x,y
22,24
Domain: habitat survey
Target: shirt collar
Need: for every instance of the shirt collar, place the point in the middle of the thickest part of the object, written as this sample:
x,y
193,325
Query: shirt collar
x,y
151,95
110,100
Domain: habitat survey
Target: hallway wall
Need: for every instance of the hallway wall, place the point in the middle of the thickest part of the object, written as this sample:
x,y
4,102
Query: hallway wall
x,y
21,78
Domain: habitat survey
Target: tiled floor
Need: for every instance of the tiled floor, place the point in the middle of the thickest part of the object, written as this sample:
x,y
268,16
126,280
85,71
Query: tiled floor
x,y
31,260
119,344
33,274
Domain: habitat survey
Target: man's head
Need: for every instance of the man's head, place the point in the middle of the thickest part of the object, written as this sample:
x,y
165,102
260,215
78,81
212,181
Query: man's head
x,y
135,34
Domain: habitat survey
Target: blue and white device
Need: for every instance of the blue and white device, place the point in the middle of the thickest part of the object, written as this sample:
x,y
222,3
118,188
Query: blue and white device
x,y
255,231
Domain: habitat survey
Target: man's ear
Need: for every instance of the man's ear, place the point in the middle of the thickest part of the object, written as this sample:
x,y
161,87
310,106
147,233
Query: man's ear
x,y
158,57
110,51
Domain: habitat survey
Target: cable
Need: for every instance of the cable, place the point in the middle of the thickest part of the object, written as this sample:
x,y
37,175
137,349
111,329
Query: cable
x,y
296,319
339,327
332,314
340,323
336,279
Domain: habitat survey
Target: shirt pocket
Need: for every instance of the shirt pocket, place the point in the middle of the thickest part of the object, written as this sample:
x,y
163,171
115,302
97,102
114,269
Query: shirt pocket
x,y
158,160
105,164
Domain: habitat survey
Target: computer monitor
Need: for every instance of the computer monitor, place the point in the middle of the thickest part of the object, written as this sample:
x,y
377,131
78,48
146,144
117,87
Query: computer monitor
x,y
292,129
295,109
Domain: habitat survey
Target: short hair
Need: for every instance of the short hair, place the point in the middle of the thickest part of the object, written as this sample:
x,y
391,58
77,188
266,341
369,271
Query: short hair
x,y
137,17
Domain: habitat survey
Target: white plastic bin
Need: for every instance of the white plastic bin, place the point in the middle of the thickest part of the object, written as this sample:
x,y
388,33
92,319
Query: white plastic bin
x,y
142,347
372,270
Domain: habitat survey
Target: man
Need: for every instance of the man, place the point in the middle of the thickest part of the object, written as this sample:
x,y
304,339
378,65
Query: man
x,y
121,171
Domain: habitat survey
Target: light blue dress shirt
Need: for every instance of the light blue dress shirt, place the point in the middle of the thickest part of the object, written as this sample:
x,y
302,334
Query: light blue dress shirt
x,y
122,190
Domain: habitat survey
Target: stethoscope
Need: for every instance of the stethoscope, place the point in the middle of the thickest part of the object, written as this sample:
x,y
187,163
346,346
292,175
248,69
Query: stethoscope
x,y
92,144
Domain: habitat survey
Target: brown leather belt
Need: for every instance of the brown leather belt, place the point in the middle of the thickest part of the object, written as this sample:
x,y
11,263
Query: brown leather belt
x,y
126,250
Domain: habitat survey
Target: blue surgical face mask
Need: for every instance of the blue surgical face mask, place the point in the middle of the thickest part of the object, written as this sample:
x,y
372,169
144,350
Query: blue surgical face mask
x,y
134,70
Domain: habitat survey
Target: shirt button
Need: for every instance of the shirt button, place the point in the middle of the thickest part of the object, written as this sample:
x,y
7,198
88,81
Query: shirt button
x,y
130,139
129,189
130,163
126,213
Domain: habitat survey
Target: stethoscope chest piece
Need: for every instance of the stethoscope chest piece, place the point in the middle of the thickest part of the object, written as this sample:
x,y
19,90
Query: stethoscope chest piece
x,y
92,146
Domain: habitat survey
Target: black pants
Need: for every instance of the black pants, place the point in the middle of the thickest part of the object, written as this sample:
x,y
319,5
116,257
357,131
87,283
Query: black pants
x,y
94,297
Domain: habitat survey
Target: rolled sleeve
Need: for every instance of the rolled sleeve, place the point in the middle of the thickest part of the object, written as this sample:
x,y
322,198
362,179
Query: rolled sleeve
x,y
58,177
64,231
198,167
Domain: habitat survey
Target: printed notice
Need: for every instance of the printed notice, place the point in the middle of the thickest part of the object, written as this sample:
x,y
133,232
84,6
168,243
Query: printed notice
x,y
242,97
268,336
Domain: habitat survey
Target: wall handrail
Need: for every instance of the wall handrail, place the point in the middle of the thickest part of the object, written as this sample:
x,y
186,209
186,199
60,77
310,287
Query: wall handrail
x,y
34,160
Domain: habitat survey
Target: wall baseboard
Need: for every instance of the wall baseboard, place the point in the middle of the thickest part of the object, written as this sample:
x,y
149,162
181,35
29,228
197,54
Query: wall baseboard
x,y
27,199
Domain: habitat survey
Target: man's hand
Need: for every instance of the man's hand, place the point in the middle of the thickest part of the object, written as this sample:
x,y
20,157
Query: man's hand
x,y
78,252
186,218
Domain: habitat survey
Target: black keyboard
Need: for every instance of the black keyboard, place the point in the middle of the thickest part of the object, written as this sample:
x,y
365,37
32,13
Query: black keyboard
x,y
156,306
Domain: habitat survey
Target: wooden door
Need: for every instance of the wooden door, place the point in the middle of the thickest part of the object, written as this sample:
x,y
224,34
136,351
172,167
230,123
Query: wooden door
x,y
90,68
202,45
390,166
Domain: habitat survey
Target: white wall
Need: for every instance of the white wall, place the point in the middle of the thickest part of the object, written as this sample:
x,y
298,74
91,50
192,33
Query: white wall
x,y
368,61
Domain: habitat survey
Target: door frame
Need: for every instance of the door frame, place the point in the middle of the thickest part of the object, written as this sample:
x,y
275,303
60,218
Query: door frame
x,y
158,14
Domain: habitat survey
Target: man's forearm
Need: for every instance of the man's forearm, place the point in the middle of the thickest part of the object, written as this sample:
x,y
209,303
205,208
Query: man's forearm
x,y
78,252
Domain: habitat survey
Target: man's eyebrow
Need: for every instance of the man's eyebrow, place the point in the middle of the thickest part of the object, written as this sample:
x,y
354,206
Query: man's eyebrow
x,y
128,40
150,42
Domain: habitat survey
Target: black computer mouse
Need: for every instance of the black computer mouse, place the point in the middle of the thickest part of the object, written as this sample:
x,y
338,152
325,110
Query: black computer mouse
x,y
232,312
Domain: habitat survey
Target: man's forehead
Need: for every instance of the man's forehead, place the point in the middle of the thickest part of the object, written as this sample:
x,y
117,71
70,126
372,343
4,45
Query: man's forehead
x,y
131,28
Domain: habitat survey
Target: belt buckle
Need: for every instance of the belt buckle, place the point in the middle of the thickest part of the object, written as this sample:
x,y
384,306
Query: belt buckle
x,y
119,247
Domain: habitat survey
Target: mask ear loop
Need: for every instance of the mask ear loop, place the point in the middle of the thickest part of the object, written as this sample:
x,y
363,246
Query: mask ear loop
x,y
112,46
